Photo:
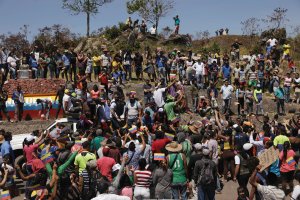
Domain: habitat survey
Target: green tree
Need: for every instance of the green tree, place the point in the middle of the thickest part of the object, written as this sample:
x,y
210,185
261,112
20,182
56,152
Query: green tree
x,y
89,7
150,10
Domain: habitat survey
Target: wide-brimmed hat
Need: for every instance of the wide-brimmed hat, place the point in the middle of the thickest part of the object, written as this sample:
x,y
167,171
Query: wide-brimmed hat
x,y
194,129
174,147
108,143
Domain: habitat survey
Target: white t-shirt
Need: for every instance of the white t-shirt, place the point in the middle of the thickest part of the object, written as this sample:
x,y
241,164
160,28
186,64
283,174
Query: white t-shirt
x,y
105,60
12,62
296,192
67,99
199,68
226,91
158,97
272,41
237,160
236,72
152,31
270,192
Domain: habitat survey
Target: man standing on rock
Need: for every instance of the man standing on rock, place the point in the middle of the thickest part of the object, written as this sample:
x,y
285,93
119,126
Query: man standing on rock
x,y
18,97
177,23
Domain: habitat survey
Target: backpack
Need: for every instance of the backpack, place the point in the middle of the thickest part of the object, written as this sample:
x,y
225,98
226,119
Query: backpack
x,y
206,176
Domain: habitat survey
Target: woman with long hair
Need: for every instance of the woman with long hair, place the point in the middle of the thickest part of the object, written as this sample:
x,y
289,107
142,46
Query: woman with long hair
x,y
287,167
162,179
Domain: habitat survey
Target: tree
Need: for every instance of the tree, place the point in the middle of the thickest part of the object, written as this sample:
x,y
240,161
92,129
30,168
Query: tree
x,y
150,10
277,18
202,35
51,38
251,26
89,7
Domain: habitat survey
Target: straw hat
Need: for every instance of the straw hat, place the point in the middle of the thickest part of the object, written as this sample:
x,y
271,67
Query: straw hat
x,y
174,147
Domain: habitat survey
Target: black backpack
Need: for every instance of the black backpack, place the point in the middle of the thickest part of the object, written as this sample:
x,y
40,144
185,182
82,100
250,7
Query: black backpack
x,y
206,176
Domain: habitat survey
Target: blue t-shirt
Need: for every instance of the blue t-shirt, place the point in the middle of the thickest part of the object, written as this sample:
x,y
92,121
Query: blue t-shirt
x,y
226,70
65,60
7,149
33,62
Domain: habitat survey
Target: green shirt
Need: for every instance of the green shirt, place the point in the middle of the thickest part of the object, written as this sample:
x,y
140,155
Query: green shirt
x,y
82,158
179,176
169,108
280,139
96,143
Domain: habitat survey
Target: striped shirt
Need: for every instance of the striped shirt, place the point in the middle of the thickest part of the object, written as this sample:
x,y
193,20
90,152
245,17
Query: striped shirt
x,y
143,178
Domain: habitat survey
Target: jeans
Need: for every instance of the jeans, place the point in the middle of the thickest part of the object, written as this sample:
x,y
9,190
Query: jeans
x,y
132,121
35,72
287,92
241,105
13,72
128,71
243,181
227,105
280,104
206,193
148,99
259,106
199,80
179,190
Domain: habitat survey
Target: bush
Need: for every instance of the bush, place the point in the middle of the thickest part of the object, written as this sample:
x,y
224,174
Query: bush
x,y
112,32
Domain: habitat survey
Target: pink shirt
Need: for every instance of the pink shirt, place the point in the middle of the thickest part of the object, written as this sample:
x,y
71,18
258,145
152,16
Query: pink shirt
x,y
105,165
28,150
127,191
289,163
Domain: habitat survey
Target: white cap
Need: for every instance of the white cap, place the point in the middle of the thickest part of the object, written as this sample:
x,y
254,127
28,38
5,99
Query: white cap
x,y
247,146
206,151
235,126
29,138
116,167
160,110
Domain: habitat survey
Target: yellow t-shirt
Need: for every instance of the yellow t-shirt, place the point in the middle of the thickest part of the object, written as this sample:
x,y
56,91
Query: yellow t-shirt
x,y
286,49
96,61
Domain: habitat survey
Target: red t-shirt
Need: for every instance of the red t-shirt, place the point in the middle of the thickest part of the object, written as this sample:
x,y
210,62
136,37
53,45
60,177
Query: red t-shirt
x,y
103,79
37,165
105,165
159,144
28,150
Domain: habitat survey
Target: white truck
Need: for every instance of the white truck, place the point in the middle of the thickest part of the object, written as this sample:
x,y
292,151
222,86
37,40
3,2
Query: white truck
x,y
17,140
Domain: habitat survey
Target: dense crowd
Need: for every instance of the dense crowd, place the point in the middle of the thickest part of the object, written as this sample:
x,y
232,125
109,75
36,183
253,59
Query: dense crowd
x,y
139,146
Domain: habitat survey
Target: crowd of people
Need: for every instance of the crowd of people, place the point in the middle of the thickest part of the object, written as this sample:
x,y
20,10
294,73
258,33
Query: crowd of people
x,y
130,145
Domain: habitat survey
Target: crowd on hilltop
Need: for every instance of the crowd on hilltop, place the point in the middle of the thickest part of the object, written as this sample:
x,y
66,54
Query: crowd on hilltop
x,y
131,145
222,31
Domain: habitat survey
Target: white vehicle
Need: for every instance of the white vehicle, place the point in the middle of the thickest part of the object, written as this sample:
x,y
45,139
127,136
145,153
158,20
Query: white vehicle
x,y
17,140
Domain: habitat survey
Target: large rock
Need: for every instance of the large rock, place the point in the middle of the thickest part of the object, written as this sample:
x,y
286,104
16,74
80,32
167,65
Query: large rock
x,y
91,44
178,39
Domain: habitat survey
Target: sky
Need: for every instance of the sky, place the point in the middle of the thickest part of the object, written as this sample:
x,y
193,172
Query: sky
x,y
195,15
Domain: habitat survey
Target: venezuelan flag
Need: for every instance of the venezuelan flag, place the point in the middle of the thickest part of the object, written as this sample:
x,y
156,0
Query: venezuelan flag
x,y
133,129
170,136
291,161
159,156
5,195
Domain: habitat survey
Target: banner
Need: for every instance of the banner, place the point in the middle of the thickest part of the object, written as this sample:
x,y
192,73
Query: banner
x,y
268,157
